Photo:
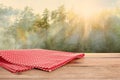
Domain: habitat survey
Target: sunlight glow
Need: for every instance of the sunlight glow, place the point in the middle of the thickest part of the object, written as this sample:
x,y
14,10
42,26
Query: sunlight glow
x,y
89,8
86,8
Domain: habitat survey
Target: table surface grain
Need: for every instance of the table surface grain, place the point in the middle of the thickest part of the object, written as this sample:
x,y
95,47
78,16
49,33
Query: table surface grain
x,y
95,66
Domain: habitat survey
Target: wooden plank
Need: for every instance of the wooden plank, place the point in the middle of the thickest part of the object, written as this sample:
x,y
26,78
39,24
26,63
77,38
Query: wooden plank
x,y
99,55
70,73
96,67
96,62
59,79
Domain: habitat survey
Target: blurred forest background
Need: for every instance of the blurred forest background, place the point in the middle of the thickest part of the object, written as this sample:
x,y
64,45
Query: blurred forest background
x,y
59,29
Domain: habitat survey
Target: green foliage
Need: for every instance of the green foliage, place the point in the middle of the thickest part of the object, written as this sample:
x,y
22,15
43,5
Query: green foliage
x,y
43,22
59,30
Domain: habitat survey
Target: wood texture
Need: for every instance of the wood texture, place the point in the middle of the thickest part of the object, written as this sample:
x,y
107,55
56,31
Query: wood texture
x,y
95,66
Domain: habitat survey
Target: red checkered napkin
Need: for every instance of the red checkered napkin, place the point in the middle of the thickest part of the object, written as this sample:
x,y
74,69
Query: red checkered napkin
x,y
47,60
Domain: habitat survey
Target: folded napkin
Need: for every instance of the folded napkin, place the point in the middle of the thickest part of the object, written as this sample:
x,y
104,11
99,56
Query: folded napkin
x,y
47,60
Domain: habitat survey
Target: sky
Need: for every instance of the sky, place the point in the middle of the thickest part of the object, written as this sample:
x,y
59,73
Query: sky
x,y
39,5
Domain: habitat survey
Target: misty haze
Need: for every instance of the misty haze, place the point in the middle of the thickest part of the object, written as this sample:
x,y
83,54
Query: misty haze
x,y
65,25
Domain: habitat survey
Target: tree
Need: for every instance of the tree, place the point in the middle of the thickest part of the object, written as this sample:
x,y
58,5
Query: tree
x,y
43,23
61,13
24,24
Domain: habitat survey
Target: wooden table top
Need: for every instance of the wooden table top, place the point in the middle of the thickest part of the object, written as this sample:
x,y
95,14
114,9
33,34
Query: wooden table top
x,y
95,66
